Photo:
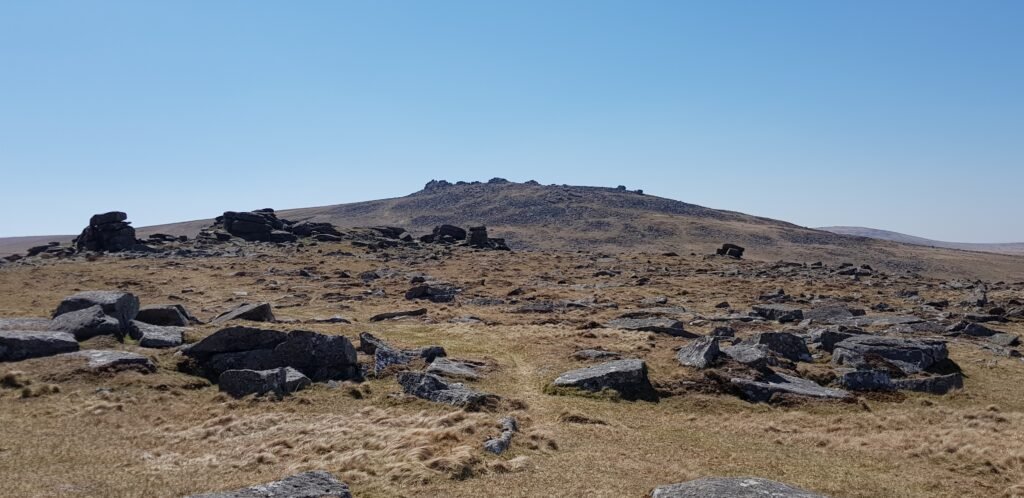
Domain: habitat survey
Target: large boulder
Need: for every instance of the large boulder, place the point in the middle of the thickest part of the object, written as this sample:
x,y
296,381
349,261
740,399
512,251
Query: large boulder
x,y
107,232
17,345
281,381
253,312
433,388
444,233
700,353
752,355
236,339
731,487
731,250
321,357
777,383
910,356
318,356
316,484
627,377
87,323
123,306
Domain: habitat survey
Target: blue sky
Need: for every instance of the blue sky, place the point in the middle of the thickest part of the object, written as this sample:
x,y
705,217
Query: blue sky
x,y
901,115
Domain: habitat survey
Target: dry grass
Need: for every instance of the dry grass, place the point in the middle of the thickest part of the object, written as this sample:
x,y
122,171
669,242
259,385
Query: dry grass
x,y
169,434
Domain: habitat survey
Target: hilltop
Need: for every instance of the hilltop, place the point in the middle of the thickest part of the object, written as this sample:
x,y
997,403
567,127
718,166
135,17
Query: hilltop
x,y
874,233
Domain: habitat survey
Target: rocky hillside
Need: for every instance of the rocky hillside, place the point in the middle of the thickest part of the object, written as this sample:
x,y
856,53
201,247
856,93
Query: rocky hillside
x,y
874,233
531,216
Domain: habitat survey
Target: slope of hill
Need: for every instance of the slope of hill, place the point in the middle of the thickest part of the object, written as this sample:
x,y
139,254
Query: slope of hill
x,y
1001,248
561,217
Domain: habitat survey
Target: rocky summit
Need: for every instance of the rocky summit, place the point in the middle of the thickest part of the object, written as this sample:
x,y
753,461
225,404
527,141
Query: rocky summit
x,y
506,339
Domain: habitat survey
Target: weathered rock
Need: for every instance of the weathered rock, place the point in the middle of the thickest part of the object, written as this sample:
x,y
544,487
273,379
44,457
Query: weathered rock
x,y
398,314
255,359
236,339
320,357
876,380
627,377
700,353
388,357
908,355
595,354
316,484
105,360
156,336
658,325
107,232
478,237
831,314
731,487
433,293
454,369
123,306
789,346
827,338
17,345
448,231
33,324
281,381
168,315
499,444
1005,340
752,355
779,312
87,323
731,250
433,388
254,312
777,383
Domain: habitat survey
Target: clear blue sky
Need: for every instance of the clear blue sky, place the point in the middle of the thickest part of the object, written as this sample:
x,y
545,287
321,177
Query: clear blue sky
x,y
902,115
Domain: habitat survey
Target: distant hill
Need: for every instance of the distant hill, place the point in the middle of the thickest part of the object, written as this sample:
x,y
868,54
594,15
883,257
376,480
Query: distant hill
x,y
1003,248
561,217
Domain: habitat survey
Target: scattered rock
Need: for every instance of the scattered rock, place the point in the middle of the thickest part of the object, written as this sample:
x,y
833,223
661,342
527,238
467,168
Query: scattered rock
x,y
499,444
123,306
595,354
254,312
700,353
627,377
398,314
731,250
658,325
753,355
908,355
777,383
316,484
454,369
167,315
104,360
731,487
281,381
17,345
779,312
433,388
156,336
433,293
789,346
87,323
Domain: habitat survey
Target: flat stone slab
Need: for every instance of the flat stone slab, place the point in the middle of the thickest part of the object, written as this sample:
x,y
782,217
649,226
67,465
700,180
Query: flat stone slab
x,y
316,484
454,369
254,312
657,325
779,312
398,314
166,315
156,336
26,324
881,321
628,377
17,345
789,346
121,305
104,360
732,487
87,323
909,355
760,391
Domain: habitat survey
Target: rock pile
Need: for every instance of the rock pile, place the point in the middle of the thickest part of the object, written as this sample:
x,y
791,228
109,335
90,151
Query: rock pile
x,y
261,225
107,232
477,237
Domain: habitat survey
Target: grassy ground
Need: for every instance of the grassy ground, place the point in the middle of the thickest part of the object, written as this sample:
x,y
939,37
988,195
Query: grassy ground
x,y
169,434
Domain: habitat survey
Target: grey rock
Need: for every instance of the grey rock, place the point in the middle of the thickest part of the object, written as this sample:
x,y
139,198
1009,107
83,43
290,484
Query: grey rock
x,y
658,325
87,323
454,369
316,484
628,377
732,487
752,355
398,314
36,324
254,312
938,384
1005,340
882,321
908,355
777,383
779,312
723,332
236,339
387,357
700,353
789,346
168,315
284,380
498,445
256,359
321,357
595,354
831,314
106,360
17,345
121,305
433,293
156,336
433,388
